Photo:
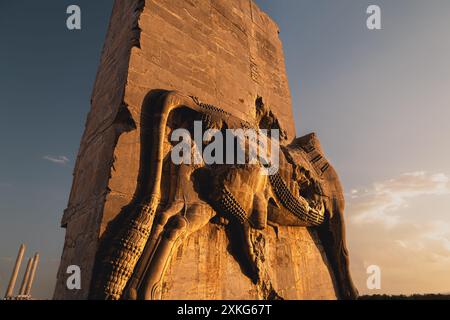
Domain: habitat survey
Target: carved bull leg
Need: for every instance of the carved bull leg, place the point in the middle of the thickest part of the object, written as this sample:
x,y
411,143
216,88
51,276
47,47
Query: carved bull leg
x,y
258,217
177,229
131,291
332,235
161,256
167,228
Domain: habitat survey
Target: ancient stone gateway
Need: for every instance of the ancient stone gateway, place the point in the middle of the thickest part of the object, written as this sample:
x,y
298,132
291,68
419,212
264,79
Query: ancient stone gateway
x,y
141,227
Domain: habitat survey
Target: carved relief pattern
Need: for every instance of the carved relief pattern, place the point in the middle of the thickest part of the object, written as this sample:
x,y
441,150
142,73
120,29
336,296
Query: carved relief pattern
x,y
119,264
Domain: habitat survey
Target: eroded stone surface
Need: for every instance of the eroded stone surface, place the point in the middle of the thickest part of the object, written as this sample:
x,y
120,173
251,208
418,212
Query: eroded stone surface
x,y
203,268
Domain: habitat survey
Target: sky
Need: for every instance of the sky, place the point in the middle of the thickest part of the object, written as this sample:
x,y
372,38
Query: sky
x,y
379,101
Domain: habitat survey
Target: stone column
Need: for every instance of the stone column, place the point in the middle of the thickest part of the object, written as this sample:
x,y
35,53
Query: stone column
x,y
32,274
26,277
12,281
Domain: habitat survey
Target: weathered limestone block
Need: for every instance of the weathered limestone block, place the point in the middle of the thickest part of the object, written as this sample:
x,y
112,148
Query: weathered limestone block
x,y
227,52
203,267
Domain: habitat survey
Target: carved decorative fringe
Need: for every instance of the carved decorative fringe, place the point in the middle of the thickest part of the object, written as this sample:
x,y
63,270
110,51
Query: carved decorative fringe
x,y
291,203
126,251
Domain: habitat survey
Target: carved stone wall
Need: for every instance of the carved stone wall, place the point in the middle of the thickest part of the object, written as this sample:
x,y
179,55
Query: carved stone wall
x,y
227,52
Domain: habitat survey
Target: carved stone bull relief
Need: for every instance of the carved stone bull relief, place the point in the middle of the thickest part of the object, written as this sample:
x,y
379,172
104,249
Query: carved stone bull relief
x,y
174,201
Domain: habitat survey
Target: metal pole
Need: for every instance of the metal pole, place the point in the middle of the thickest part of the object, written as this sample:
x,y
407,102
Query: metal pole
x,y
26,277
12,282
33,271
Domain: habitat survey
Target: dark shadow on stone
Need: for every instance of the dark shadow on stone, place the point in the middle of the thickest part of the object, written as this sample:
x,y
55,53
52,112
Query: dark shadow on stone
x,y
235,248
317,240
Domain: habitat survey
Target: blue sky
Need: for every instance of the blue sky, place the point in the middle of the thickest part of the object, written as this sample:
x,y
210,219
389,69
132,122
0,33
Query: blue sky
x,y
379,101
47,74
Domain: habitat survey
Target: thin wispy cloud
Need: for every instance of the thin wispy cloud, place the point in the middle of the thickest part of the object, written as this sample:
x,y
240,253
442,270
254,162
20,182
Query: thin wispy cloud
x,y
61,160
411,246
381,202
413,257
